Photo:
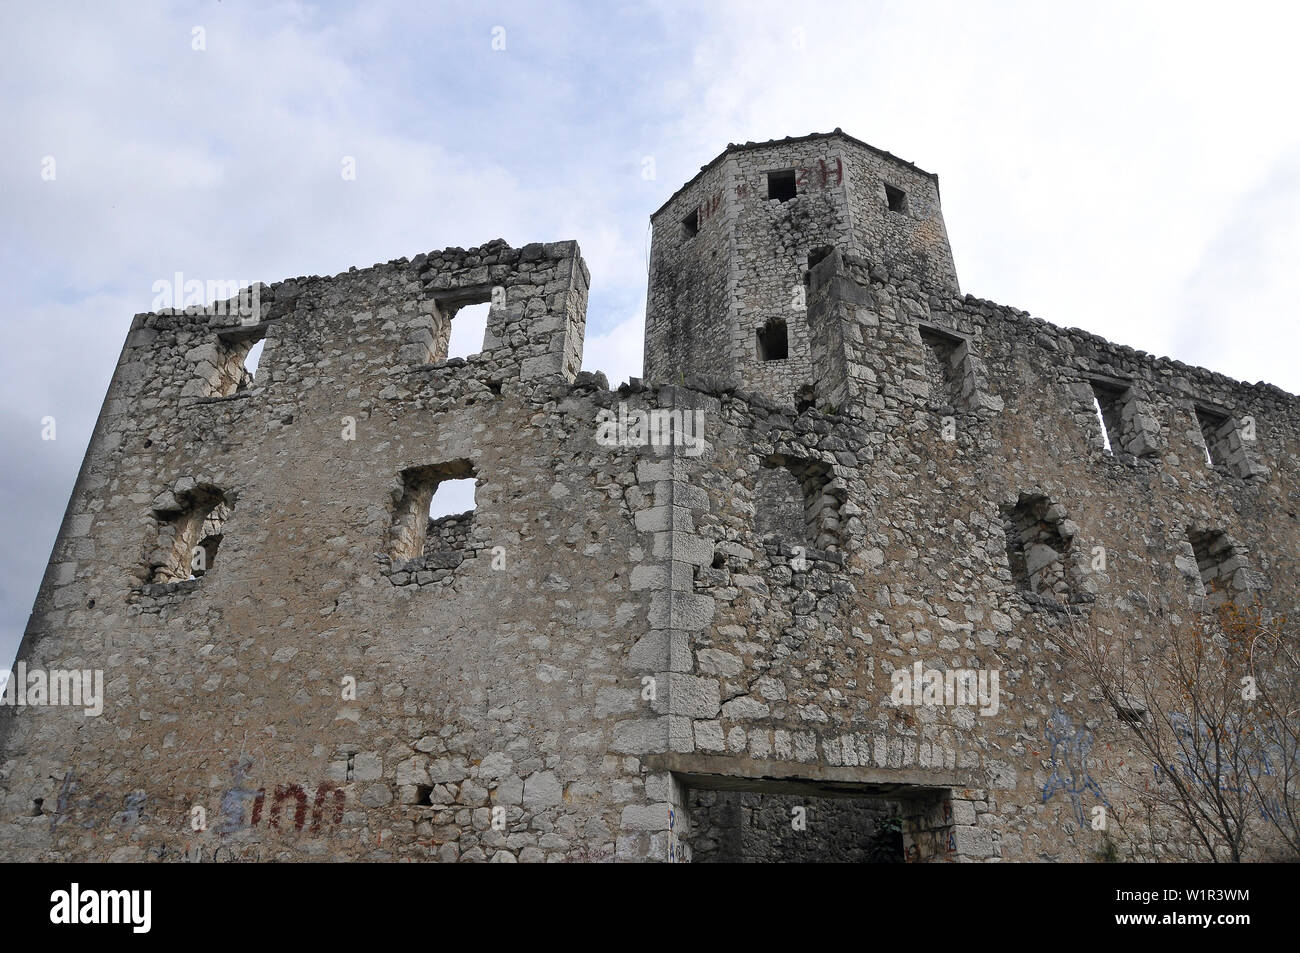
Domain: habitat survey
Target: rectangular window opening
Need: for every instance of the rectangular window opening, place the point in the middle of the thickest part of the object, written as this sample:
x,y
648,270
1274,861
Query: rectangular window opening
x,y
434,519
468,330
945,366
730,826
815,258
451,515
773,341
1219,564
691,224
781,185
238,357
1213,426
895,198
1037,548
795,500
189,537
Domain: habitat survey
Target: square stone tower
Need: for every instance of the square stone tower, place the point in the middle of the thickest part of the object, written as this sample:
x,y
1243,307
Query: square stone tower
x,y
732,249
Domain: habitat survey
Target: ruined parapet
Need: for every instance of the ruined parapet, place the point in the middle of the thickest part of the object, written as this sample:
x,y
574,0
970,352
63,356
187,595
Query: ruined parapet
x,y
180,388
535,325
878,347
538,297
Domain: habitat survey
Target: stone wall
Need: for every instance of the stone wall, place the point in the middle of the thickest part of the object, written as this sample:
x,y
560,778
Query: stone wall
x,y
624,621
233,692
799,647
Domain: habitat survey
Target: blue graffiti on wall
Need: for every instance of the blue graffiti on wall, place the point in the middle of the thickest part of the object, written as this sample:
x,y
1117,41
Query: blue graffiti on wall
x,y
1223,776
1070,747
1262,754
235,797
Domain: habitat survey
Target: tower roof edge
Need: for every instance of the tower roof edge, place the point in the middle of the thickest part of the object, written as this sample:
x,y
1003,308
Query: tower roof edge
x,y
743,147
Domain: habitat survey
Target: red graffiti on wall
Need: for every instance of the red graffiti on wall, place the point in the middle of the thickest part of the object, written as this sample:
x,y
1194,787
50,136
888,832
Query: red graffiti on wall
x,y
295,791
281,793
821,176
710,206
316,813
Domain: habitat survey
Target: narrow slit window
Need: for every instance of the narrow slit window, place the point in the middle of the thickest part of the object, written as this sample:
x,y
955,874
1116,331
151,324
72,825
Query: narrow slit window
x,y
1101,421
1108,404
781,185
251,361
1213,426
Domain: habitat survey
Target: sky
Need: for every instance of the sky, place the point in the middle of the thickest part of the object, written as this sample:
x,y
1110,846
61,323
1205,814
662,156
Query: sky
x,y
1130,169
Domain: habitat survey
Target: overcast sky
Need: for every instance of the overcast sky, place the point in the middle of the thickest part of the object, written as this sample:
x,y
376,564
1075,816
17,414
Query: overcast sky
x,y
1129,169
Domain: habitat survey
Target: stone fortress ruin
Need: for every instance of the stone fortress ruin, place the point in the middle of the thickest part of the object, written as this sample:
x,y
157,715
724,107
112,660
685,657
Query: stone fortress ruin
x,y
670,627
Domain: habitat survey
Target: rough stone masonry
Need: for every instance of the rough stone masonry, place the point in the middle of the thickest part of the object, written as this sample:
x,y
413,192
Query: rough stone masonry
x,y
299,663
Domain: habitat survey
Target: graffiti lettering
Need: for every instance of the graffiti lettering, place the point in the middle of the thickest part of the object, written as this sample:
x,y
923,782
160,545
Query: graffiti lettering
x,y
1260,755
1070,747
234,798
339,799
300,815
823,175
326,808
710,206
